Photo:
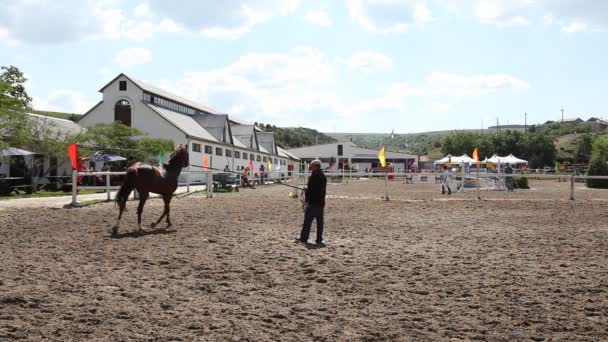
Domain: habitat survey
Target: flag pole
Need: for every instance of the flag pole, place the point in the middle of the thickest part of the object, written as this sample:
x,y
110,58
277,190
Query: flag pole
x,y
386,186
478,166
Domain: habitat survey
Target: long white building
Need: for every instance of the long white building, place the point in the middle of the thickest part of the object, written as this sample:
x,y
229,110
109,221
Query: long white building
x,y
161,114
349,154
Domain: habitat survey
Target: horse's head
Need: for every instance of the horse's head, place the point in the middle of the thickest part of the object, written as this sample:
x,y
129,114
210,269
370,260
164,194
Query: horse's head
x,y
180,157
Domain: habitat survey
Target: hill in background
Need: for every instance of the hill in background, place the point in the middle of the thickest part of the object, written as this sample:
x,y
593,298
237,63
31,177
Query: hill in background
x,y
61,115
292,137
430,142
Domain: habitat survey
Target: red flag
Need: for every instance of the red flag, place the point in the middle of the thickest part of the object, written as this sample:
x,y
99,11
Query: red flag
x,y
251,165
205,162
73,152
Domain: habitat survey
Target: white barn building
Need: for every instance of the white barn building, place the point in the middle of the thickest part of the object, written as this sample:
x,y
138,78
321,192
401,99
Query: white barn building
x,y
348,153
161,114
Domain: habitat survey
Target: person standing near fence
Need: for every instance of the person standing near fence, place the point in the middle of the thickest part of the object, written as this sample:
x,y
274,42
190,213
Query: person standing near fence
x,y
509,177
445,183
245,177
314,202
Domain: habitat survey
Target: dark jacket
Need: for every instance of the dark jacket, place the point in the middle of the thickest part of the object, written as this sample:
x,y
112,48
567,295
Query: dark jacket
x,y
315,191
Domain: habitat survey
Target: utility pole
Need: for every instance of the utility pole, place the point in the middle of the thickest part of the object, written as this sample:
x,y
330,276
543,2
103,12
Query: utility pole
x,y
482,127
525,123
562,116
497,125
316,140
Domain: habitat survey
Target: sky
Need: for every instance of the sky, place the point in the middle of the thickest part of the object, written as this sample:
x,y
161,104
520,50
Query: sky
x,y
336,66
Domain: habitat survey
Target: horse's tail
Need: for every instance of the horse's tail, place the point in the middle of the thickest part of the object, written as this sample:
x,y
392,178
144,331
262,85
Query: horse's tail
x,y
125,189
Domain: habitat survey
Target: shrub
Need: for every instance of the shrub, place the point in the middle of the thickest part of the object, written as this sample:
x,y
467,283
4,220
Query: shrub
x,y
598,167
521,183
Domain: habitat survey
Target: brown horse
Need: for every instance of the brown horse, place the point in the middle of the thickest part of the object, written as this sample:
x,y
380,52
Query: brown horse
x,y
146,179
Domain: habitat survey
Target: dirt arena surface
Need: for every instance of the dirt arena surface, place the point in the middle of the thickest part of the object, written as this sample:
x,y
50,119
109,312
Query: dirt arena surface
x,y
421,267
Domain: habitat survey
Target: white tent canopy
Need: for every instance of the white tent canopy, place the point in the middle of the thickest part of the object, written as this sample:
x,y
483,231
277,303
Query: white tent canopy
x,y
510,159
455,159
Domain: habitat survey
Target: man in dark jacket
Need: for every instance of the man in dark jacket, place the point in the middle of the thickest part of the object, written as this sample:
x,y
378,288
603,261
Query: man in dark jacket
x,y
315,202
509,177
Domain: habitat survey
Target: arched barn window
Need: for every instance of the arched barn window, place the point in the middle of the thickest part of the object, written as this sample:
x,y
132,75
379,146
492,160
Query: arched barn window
x,y
122,112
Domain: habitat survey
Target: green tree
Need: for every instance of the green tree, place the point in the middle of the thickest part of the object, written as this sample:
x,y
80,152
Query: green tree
x,y
460,143
126,141
540,151
12,88
584,144
598,165
14,101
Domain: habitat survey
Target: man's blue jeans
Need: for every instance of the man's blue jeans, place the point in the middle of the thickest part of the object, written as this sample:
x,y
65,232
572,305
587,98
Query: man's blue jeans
x,y
312,212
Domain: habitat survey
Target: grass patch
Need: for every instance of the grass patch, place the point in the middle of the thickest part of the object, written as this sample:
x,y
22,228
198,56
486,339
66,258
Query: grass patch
x,y
39,194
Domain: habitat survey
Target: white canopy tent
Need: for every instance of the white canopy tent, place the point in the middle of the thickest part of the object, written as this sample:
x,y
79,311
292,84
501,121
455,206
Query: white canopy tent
x,y
510,159
463,159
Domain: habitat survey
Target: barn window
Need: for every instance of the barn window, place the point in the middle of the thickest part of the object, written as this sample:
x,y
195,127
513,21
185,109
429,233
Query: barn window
x,y
196,147
218,151
122,85
245,155
237,154
208,149
228,153
122,112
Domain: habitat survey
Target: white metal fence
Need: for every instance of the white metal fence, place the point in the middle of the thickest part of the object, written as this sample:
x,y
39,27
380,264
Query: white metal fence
x,y
500,178
184,180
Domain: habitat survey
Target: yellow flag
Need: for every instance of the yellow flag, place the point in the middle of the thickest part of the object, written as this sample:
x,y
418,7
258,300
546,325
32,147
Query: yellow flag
x,y
382,157
269,165
476,155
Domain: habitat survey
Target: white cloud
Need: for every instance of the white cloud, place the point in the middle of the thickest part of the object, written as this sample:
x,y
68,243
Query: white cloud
x,y
570,15
386,16
142,10
274,85
299,87
501,13
224,19
320,18
51,22
129,57
448,84
368,61
64,100
440,106
575,26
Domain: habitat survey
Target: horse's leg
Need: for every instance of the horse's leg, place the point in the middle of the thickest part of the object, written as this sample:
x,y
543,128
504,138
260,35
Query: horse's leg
x,y
122,204
167,200
165,212
143,196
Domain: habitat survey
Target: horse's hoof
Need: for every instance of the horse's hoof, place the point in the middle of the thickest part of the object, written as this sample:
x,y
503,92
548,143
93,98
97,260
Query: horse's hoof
x,y
153,225
141,228
114,230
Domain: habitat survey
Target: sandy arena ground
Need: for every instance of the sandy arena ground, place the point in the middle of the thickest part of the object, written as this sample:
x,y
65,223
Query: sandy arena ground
x,y
528,265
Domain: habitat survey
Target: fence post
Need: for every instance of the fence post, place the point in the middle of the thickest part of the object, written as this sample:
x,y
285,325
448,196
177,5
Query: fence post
x,y
572,187
74,187
187,182
209,184
108,186
386,187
